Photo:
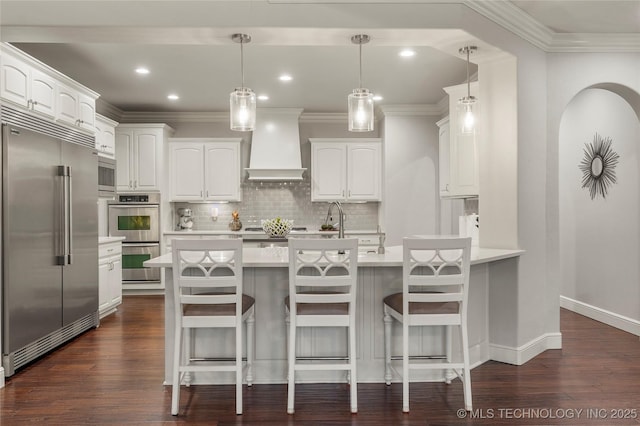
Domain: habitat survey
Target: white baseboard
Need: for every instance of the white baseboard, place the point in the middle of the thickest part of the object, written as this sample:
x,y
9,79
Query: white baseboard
x,y
522,354
618,321
1,377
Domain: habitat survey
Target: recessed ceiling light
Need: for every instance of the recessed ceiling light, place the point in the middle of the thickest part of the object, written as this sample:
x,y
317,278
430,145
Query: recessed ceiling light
x,y
142,70
407,53
377,98
263,97
285,77
173,97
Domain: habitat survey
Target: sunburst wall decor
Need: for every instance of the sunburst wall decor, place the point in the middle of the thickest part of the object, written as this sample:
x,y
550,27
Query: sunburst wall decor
x,y
598,166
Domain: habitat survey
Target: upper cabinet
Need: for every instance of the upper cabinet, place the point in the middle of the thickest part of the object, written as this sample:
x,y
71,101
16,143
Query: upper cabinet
x,y
139,154
205,169
346,169
458,158
105,136
30,84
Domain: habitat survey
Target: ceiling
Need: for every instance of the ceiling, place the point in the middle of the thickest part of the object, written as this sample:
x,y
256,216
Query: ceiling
x,y
189,52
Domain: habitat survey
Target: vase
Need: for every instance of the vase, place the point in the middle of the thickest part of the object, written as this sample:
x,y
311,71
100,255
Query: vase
x,y
235,225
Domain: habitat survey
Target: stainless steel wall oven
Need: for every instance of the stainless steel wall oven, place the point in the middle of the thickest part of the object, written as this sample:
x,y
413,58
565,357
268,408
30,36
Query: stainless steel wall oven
x,y
137,218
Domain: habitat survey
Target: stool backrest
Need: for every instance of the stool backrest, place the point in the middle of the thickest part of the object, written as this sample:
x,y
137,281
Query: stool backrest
x,y
328,265
211,266
436,270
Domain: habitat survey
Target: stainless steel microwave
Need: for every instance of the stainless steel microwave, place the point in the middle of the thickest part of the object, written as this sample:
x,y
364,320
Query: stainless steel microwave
x,y
106,177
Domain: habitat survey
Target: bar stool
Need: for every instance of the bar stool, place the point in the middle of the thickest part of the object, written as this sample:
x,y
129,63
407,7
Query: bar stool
x,y
435,288
207,279
323,276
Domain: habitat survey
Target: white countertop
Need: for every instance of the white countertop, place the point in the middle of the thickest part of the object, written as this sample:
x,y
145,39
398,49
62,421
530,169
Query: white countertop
x,y
261,233
278,257
107,240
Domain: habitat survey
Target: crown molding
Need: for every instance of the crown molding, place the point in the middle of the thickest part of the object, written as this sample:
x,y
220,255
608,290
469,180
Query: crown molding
x,y
514,19
517,21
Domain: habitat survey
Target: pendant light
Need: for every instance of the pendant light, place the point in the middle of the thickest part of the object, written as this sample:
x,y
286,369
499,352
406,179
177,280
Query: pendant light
x,y
242,101
466,116
360,102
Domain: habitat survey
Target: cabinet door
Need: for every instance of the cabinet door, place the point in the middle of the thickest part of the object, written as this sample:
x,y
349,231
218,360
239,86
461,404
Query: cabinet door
x,y
222,171
363,172
43,93
444,143
124,149
115,281
67,101
14,86
108,141
104,292
187,171
146,146
86,112
328,171
464,172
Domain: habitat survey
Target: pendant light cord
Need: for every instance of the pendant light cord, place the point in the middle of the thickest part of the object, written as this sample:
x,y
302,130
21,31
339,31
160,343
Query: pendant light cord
x,y
360,76
242,62
468,79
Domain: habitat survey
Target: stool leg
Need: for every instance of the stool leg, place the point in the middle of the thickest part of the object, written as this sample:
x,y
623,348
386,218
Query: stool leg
x,y
287,322
352,362
177,353
405,367
448,373
238,366
188,350
251,336
466,374
291,358
387,346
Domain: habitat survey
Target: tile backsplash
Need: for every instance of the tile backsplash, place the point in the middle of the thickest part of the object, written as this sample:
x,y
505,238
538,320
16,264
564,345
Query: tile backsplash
x,y
289,200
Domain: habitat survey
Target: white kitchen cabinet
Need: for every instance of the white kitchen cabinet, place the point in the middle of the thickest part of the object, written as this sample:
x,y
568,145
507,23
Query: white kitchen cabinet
x,y
105,136
346,169
458,160
109,277
33,85
443,156
75,108
205,169
139,154
28,87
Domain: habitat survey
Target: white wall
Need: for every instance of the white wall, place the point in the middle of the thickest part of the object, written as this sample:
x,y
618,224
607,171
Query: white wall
x,y
600,238
568,75
410,184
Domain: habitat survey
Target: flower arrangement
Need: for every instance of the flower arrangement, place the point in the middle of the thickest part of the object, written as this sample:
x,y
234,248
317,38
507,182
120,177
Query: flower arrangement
x,y
277,228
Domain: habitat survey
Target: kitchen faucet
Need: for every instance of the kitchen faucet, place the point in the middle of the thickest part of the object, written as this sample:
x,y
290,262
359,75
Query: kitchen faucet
x,y
340,220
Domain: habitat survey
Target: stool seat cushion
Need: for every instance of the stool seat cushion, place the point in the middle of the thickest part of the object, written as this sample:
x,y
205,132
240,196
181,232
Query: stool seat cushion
x,y
225,309
394,301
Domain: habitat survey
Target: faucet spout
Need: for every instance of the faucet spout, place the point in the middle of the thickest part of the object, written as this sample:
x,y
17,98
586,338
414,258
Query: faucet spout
x,y
340,219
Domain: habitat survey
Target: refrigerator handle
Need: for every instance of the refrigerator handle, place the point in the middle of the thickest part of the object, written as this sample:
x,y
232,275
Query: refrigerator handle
x,y
64,249
69,217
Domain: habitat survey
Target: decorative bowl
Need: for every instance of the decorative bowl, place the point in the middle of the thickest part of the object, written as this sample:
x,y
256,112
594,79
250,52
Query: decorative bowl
x,y
277,228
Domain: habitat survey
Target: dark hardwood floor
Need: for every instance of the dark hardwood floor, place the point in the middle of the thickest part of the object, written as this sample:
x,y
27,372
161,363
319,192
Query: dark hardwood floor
x,y
113,375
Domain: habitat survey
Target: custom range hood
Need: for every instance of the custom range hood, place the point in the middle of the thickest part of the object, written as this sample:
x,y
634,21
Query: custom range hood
x,y
275,145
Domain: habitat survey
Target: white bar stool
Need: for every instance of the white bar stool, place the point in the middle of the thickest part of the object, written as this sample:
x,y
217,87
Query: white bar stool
x,y
323,276
435,290
207,277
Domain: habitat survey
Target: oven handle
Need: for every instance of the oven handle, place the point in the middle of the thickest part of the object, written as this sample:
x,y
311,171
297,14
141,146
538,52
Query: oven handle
x,y
128,206
140,244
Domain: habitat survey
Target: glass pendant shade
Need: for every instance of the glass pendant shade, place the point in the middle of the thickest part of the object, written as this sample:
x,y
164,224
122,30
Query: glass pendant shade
x,y
242,107
360,111
467,115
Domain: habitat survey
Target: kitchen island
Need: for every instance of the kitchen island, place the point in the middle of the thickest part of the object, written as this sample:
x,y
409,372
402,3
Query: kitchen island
x,y
266,279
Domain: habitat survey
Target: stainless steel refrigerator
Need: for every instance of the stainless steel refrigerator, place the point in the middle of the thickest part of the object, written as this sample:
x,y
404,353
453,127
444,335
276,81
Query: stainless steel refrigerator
x,y
49,240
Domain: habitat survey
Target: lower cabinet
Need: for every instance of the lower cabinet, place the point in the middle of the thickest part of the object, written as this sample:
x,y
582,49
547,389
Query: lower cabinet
x,y
109,277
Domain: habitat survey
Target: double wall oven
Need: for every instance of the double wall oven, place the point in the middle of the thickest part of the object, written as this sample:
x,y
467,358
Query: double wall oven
x,y
137,218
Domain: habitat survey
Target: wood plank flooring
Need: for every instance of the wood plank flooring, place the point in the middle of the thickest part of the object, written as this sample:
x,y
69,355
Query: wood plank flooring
x,y
113,375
